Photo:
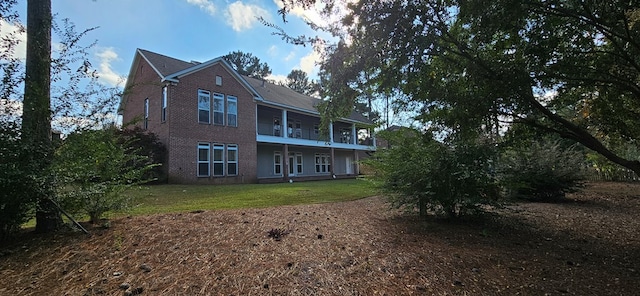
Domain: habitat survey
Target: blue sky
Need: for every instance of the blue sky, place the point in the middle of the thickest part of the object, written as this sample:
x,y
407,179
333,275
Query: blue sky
x,y
186,29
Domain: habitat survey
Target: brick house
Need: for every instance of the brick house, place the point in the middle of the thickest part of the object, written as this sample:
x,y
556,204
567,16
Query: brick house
x,y
222,127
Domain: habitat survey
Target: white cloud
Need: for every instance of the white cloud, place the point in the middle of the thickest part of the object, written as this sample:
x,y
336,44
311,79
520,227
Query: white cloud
x,y
290,56
273,51
312,15
309,62
204,5
105,73
278,79
6,29
242,16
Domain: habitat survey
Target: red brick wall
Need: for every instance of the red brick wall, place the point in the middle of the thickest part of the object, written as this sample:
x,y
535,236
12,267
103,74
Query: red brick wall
x,y
181,132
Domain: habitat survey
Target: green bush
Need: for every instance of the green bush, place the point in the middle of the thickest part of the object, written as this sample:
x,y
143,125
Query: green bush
x,y
146,145
421,173
541,171
16,204
94,168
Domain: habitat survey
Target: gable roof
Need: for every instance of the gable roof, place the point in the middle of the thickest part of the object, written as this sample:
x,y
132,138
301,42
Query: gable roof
x,y
171,69
163,64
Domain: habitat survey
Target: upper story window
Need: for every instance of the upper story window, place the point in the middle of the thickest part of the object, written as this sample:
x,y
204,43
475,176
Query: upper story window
x,y
232,111
204,106
276,126
146,113
218,108
219,80
163,107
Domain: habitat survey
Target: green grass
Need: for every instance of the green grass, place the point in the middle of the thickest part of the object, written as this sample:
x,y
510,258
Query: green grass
x,y
182,198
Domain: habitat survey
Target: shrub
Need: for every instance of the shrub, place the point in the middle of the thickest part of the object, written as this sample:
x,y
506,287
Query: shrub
x,y
419,172
541,171
146,145
94,168
16,204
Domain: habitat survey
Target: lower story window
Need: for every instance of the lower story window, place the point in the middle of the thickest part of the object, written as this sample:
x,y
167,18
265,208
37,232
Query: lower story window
x,y
277,163
232,160
221,165
203,159
323,163
218,160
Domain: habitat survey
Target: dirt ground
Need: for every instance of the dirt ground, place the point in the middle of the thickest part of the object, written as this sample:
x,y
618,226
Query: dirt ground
x,y
588,245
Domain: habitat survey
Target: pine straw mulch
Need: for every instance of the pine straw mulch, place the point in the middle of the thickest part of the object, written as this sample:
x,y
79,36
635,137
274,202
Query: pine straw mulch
x,y
588,245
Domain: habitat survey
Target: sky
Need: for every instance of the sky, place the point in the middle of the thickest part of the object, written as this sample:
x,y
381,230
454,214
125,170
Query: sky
x,y
190,30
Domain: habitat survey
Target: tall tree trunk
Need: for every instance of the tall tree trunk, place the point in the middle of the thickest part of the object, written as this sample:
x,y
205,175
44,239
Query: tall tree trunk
x,y
36,114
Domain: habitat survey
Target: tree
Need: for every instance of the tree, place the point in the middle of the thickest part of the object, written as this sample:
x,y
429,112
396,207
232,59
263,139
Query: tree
x,y
299,81
570,68
36,114
247,64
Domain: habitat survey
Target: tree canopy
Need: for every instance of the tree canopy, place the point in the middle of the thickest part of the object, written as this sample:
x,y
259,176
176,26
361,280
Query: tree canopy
x,y
247,64
300,82
566,67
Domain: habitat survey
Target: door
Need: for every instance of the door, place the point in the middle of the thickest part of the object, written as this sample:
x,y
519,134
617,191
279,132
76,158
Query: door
x,y
349,165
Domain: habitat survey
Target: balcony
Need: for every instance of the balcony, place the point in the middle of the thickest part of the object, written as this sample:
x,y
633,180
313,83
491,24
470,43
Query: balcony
x,y
287,127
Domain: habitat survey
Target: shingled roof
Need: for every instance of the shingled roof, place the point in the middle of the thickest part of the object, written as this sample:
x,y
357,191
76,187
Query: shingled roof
x,y
163,64
269,93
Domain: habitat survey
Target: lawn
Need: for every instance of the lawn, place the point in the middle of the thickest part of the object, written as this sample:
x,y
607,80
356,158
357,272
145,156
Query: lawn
x,y
159,199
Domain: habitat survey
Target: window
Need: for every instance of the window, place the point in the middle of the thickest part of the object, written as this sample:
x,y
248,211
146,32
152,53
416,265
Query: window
x,y
163,107
219,80
298,130
204,106
277,163
203,159
146,113
232,160
218,160
232,111
323,163
345,136
276,126
298,163
316,129
218,109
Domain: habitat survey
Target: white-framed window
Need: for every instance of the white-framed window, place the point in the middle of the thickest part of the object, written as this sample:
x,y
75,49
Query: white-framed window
x,y
276,126
316,129
232,160
323,163
146,113
204,106
218,108
277,163
232,111
204,160
219,80
345,136
298,130
298,163
163,106
218,160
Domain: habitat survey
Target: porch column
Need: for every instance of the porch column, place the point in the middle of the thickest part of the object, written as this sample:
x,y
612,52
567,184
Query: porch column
x,y
285,162
285,125
354,137
332,161
331,134
373,137
356,164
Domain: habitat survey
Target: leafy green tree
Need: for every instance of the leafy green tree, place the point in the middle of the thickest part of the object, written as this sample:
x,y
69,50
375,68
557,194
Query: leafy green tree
x,y
300,82
452,179
94,168
569,68
247,64
147,146
17,181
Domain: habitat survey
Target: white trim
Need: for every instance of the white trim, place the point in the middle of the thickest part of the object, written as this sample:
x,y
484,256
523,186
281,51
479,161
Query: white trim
x,y
311,143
